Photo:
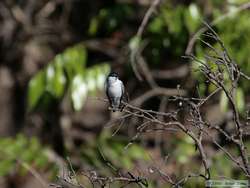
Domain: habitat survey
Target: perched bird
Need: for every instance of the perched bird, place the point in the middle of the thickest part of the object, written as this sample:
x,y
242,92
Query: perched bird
x,y
115,92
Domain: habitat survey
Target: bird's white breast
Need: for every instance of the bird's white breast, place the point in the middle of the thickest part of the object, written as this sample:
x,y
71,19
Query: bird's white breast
x,y
115,89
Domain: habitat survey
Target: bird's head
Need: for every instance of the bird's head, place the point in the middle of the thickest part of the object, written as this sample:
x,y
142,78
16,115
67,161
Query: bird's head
x,y
112,77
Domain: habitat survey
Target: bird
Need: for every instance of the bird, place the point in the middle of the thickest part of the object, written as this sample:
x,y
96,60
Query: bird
x,y
115,92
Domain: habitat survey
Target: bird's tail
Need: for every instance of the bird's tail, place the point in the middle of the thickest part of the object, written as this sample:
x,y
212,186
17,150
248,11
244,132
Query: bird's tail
x,y
123,101
116,105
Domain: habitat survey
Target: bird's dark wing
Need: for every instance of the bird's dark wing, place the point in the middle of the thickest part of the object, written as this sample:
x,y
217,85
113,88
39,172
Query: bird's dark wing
x,y
107,93
124,97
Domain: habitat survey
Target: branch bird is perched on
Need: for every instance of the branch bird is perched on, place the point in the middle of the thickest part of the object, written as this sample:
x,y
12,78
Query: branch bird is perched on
x,y
115,92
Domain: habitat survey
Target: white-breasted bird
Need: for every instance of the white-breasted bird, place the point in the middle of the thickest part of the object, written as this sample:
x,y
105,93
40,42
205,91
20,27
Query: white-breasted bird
x,y
115,92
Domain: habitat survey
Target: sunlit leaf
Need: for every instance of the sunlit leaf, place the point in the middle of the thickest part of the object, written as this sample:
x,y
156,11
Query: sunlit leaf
x,y
79,91
223,102
56,80
126,162
192,18
156,26
90,77
36,89
185,150
134,43
6,166
240,100
74,60
136,152
101,74
173,19
93,27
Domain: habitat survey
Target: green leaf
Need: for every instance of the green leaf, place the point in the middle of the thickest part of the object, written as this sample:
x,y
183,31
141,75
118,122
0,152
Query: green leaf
x,y
240,100
6,166
156,26
223,102
173,19
137,152
126,162
90,77
79,92
27,155
93,27
96,76
41,161
211,88
185,150
55,79
36,89
192,18
101,74
134,43
74,60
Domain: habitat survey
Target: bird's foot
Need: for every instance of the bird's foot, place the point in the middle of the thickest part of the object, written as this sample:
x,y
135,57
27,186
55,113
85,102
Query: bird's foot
x,y
112,108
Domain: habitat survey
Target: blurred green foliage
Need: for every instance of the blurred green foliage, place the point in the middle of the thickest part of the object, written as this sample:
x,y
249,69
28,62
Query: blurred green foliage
x,y
67,72
109,156
109,19
185,150
112,150
21,150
